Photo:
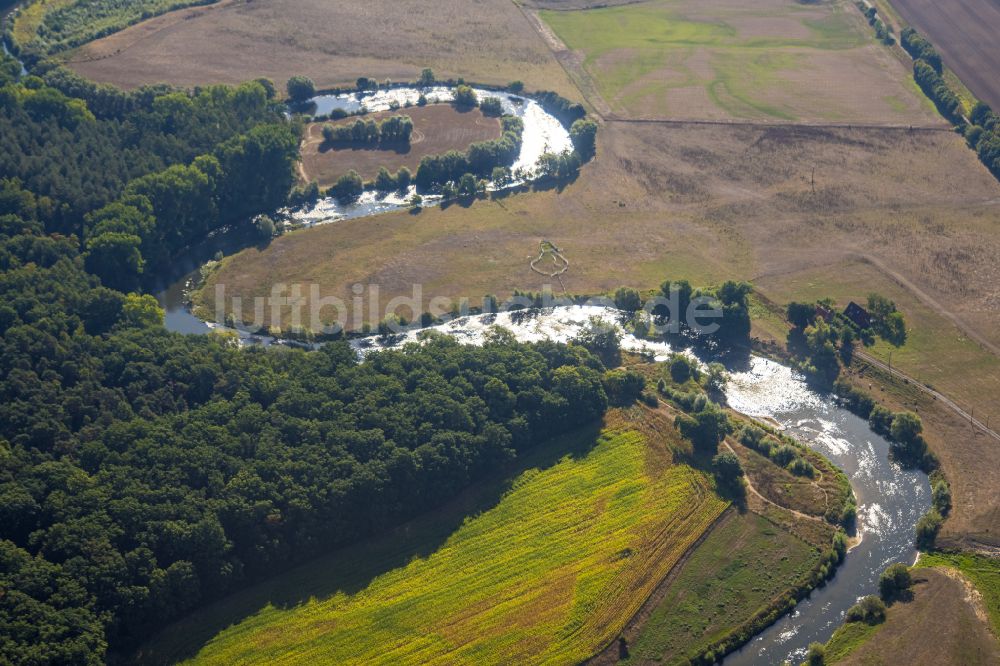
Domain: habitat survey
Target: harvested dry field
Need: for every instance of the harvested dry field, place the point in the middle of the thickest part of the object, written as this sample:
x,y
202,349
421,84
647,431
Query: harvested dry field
x,y
771,60
437,128
966,35
331,42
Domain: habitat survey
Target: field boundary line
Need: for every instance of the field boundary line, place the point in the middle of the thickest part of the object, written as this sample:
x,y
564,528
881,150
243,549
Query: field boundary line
x,y
569,61
608,654
764,124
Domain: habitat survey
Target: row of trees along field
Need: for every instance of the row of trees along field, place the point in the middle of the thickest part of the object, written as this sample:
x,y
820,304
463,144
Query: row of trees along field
x,y
981,127
143,473
394,130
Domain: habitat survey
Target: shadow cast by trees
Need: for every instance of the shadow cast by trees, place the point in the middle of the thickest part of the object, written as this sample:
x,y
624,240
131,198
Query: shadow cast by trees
x,y
351,569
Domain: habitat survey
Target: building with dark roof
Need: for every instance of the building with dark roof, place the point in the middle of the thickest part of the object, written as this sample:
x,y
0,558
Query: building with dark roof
x,y
858,315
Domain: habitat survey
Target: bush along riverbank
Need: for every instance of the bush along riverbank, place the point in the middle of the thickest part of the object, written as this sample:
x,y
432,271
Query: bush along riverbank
x,y
813,347
708,427
455,174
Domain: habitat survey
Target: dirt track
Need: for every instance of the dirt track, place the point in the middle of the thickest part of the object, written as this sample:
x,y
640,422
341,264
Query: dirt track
x,y
966,35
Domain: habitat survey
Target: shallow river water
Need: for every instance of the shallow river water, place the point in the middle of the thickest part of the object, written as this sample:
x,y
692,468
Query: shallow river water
x,y
890,499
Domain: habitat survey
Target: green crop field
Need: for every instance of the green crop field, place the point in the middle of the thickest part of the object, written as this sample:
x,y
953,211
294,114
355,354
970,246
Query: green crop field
x,y
549,573
770,60
744,564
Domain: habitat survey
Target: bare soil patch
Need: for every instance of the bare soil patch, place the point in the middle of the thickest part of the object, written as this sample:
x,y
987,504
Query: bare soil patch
x,y
437,129
331,42
965,34
938,626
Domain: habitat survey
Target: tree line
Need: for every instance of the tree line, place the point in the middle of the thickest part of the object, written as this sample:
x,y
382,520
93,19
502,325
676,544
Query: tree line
x,y
479,160
981,128
394,130
69,25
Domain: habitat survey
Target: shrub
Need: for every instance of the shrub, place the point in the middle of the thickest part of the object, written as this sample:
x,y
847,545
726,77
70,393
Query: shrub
x,y
941,496
491,106
349,186
801,315
880,419
906,426
784,454
727,468
300,88
920,49
465,97
816,656
871,609
384,182
705,428
403,178
751,436
583,133
501,176
927,529
623,386
682,369
802,467
627,299
565,111
894,581
933,85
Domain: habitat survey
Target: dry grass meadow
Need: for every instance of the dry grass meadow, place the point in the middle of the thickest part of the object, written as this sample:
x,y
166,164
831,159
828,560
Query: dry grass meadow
x,y
332,42
803,212
725,59
939,595
437,129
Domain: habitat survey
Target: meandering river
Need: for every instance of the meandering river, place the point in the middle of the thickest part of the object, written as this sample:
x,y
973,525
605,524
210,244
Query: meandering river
x,y
890,499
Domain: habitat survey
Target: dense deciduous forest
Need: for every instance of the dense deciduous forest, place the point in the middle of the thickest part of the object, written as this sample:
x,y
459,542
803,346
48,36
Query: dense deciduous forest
x,y
143,472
